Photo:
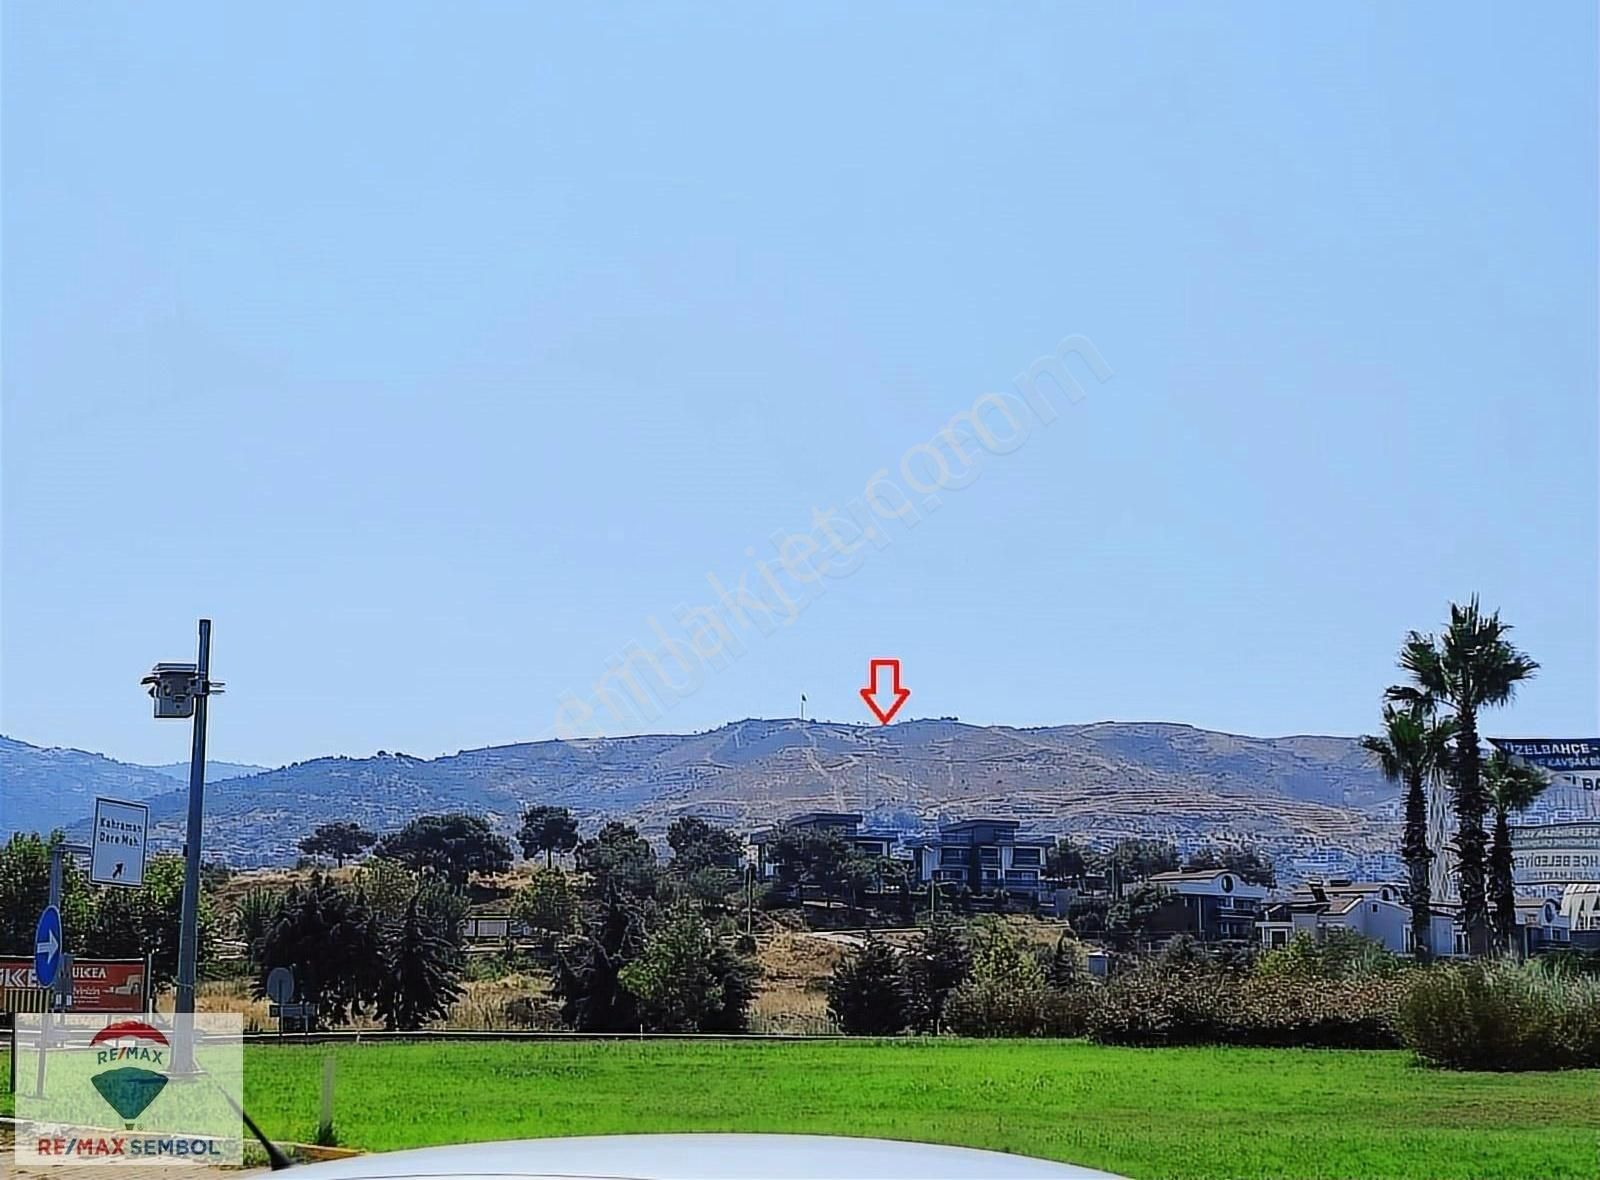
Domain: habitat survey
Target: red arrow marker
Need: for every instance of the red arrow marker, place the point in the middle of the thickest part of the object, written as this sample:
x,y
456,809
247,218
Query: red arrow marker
x,y
892,696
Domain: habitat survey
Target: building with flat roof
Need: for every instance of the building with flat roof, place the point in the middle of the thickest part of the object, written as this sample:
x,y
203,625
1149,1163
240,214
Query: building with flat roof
x,y
845,824
985,855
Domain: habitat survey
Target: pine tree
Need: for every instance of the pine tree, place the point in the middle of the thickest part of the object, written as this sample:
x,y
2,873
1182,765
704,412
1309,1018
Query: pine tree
x,y
934,968
424,969
864,992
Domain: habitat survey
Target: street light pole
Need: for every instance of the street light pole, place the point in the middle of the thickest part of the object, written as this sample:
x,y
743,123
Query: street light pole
x,y
189,923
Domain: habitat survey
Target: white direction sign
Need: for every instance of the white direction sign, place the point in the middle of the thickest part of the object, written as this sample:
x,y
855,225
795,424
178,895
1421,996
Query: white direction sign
x,y
117,855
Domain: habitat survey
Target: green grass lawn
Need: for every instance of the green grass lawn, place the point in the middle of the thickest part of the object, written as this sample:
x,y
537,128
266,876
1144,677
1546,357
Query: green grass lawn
x,y
1145,1113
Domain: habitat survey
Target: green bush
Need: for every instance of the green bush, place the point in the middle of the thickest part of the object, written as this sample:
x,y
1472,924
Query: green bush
x,y
1155,1006
1007,994
1502,1015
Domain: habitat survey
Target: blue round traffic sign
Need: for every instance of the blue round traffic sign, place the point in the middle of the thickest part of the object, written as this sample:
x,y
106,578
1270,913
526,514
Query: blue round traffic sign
x,y
47,946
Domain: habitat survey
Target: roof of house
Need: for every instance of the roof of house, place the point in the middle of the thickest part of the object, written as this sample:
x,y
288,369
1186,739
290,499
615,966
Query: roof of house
x,y
1195,875
966,825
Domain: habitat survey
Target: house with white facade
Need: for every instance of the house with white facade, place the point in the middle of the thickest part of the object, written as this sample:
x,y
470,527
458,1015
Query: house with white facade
x,y
1215,904
1542,925
1372,909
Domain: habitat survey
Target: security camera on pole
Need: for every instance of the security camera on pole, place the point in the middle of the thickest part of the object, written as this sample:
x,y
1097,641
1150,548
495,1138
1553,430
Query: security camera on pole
x,y
181,690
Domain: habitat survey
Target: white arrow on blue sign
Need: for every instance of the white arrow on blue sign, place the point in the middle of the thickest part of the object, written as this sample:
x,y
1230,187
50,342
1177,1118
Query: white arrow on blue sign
x,y
47,946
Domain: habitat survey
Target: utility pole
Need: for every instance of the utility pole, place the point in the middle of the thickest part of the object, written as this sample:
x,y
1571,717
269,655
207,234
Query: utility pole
x,y
181,690
189,928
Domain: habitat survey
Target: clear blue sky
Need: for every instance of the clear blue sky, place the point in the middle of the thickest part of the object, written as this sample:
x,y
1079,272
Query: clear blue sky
x,y
432,350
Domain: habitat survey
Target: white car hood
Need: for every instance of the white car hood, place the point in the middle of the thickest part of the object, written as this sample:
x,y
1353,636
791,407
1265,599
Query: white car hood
x,y
703,1157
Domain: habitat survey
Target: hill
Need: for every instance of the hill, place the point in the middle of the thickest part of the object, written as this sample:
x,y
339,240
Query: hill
x,y
215,771
48,788
1297,796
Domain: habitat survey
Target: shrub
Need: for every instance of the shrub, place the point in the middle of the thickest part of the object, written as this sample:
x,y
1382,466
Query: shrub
x,y
1007,995
1501,1015
687,980
1154,1006
1338,954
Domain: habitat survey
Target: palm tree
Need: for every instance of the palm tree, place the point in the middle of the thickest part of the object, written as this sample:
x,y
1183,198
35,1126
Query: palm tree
x,y
1470,666
1413,751
1510,786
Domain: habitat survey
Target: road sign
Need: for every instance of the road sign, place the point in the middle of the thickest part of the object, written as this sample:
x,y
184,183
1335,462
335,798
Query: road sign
x,y
47,946
117,855
291,1011
280,985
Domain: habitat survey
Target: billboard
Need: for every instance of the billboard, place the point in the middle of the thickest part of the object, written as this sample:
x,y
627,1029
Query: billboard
x,y
1573,765
98,985
1557,854
1558,842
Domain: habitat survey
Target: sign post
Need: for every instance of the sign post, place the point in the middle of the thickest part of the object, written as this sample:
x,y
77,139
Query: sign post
x,y
117,855
47,959
47,937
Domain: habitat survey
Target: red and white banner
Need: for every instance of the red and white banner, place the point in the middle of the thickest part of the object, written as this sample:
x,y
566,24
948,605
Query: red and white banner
x,y
98,985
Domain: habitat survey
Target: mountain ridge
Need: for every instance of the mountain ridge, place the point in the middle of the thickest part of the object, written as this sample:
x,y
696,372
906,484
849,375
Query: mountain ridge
x,y
1302,796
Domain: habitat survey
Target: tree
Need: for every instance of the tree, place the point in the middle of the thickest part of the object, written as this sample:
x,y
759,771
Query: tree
x,y
899,874
253,917
422,970
697,845
1006,996
1087,915
1068,968
339,839
1469,667
452,846
1510,786
685,980
547,902
1136,859
1413,751
1248,864
155,910
1133,915
585,977
328,937
548,830
388,887
1065,861
856,874
939,963
25,891
864,992
810,856
619,860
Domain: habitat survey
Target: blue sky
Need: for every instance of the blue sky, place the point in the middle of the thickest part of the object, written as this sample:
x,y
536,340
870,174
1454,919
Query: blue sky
x,y
433,351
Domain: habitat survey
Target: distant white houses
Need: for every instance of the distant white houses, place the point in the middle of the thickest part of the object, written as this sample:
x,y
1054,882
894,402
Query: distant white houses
x,y
1378,910
1372,909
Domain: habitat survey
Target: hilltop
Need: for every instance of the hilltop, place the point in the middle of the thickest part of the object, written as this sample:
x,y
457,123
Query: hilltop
x,y
1294,795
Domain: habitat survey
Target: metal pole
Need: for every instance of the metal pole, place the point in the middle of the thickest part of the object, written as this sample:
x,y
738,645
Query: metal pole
x,y
189,927
50,997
